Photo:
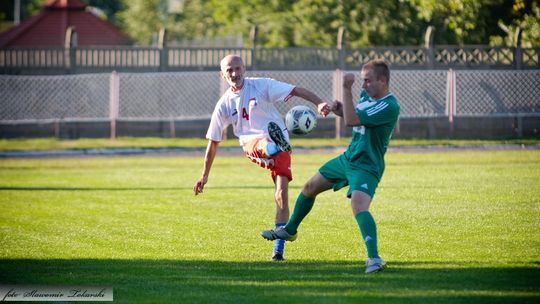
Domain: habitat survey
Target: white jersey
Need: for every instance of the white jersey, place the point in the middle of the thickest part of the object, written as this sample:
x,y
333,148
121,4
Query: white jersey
x,y
250,110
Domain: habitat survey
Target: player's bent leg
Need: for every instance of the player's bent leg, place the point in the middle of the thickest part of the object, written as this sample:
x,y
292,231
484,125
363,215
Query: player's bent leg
x,y
316,185
258,148
276,134
304,203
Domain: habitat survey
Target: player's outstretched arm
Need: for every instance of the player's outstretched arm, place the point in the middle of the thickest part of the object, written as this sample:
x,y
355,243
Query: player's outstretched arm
x,y
211,150
323,107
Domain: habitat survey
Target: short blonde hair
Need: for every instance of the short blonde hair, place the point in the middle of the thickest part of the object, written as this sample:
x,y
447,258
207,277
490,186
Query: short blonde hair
x,y
379,67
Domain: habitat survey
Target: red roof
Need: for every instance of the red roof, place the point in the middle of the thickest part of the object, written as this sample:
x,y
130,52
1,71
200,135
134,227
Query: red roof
x,y
48,28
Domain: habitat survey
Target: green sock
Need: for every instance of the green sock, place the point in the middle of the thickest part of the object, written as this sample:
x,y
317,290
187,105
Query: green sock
x,y
367,226
301,209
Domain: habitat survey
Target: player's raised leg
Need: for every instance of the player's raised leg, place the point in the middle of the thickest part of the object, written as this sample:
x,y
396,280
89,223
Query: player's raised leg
x,y
276,134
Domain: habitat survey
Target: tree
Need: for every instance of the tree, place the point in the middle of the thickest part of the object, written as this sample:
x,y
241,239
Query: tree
x,y
142,19
528,21
368,23
272,18
315,23
478,22
28,9
109,7
454,20
194,21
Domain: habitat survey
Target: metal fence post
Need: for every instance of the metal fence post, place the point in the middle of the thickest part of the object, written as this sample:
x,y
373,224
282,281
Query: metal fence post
x,y
428,46
172,127
114,102
163,50
517,48
341,46
70,49
253,40
451,99
338,77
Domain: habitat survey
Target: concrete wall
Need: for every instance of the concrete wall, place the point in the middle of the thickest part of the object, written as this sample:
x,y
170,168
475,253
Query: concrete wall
x,y
428,128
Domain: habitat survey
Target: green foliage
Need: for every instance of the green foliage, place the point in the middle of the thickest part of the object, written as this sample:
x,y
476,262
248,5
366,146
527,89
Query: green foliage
x,y
529,22
142,19
455,227
280,23
315,23
194,21
272,18
368,23
480,22
28,9
109,7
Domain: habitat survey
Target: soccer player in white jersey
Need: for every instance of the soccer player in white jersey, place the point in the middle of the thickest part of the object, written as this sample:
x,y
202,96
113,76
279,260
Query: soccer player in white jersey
x,y
248,105
361,166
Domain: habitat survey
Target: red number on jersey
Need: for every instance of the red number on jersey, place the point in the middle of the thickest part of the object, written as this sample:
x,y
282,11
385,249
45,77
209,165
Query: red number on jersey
x,y
245,114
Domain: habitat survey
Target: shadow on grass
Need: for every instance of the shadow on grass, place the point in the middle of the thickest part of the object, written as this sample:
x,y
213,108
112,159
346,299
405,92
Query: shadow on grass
x,y
198,281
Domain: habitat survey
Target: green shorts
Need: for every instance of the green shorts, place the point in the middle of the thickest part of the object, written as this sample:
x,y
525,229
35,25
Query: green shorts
x,y
341,173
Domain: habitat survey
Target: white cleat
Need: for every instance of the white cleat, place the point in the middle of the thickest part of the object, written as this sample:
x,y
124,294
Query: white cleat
x,y
375,265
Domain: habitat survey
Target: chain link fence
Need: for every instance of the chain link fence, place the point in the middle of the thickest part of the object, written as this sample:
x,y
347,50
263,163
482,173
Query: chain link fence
x,y
420,93
497,93
79,97
188,95
193,95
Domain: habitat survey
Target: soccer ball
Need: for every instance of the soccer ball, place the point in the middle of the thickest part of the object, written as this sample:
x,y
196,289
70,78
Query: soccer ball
x,y
301,120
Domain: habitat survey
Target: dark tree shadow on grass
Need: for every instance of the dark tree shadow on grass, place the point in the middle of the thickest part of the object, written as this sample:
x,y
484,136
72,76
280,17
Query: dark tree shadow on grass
x,y
199,281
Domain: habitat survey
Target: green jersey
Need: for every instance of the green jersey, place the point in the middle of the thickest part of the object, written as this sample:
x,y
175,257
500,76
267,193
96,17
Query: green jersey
x,y
370,140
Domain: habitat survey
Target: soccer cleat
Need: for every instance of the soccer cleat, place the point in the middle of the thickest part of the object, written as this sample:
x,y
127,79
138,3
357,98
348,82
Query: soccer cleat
x,y
279,233
375,265
278,257
277,136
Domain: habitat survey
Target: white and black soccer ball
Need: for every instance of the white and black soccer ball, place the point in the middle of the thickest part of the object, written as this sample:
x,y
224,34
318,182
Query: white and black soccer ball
x,y
301,120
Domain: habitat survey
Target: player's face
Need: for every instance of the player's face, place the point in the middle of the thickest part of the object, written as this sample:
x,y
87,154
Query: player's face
x,y
233,72
375,88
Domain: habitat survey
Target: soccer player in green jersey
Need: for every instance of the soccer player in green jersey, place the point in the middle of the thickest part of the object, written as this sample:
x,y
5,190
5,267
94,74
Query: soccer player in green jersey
x,y
361,166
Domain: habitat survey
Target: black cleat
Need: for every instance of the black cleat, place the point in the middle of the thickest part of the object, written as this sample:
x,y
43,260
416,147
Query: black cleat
x,y
278,257
279,234
277,136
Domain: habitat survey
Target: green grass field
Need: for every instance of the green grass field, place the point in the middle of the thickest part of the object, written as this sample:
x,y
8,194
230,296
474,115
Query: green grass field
x,y
26,144
454,227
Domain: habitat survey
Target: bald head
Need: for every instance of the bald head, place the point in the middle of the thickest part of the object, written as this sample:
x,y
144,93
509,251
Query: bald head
x,y
231,59
232,70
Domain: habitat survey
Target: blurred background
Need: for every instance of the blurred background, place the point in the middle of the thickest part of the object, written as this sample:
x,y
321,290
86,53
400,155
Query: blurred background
x,y
100,68
305,23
